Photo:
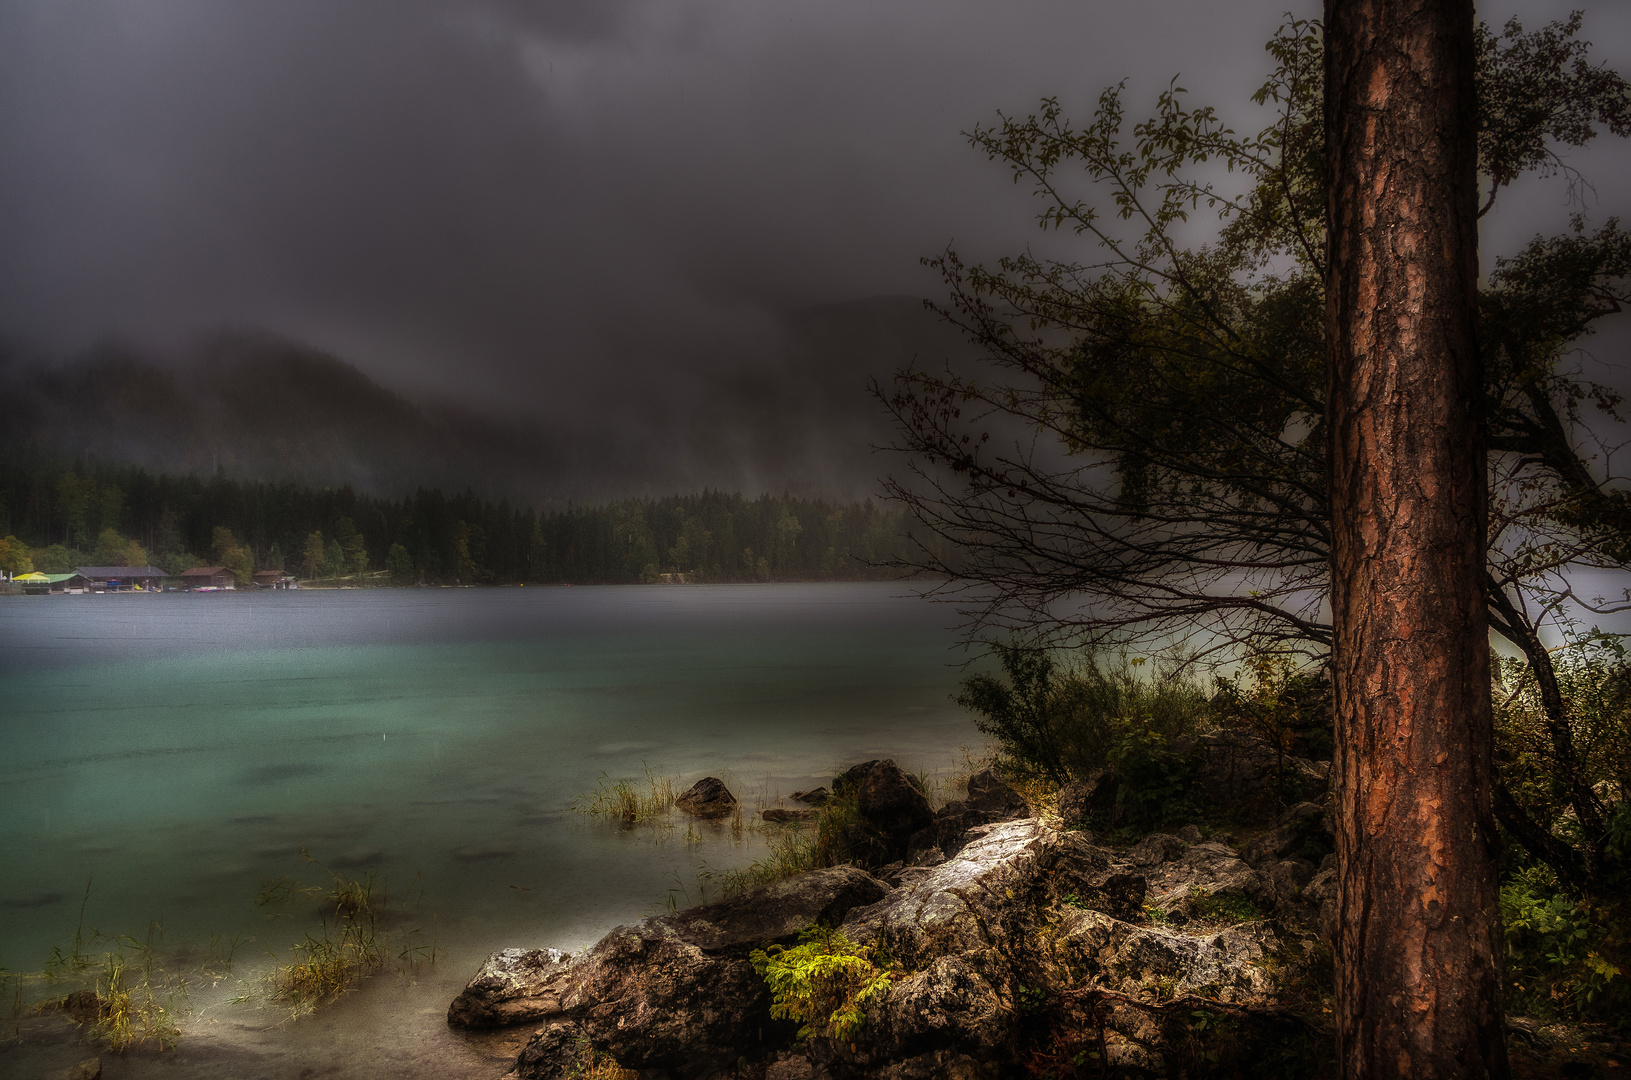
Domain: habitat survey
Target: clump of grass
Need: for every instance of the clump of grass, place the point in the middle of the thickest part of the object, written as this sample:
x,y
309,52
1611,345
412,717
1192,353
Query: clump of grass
x,y
838,836
129,1013
127,1002
352,943
324,967
598,1065
629,801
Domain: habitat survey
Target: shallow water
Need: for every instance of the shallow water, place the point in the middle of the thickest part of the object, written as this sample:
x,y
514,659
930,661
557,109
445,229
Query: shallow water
x,y
176,751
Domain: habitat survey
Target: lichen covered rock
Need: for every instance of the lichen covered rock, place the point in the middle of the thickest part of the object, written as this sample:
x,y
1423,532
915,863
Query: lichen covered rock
x,y
513,987
1023,917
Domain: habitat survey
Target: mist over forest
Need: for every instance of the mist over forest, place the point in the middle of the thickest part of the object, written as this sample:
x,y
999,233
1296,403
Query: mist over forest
x,y
249,405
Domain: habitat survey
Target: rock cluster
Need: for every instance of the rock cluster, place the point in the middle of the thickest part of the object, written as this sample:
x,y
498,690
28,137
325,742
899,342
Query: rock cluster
x,y
1017,919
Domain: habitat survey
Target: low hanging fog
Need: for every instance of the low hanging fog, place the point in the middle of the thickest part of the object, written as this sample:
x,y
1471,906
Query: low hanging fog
x,y
582,248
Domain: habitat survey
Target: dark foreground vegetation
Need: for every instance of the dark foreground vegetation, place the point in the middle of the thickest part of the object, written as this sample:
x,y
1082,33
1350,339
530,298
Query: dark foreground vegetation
x,y
54,517
1568,948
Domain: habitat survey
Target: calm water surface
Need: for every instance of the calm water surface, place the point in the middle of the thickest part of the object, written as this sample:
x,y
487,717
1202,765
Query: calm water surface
x,y
177,751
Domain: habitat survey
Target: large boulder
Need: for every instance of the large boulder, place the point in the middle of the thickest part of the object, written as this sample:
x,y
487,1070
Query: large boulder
x,y
1302,831
1155,849
677,992
1206,881
990,794
1226,964
1001,884
1084,802
888,799
708,798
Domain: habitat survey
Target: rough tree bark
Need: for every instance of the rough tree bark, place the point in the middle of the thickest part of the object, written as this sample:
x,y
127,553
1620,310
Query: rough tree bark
x,y
1418,969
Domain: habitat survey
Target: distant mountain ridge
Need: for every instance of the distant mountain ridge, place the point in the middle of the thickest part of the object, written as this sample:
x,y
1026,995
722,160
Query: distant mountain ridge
x,y
256,406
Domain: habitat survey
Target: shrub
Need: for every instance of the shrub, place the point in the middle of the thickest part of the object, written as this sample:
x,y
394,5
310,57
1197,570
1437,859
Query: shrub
x,y
1285,707
1595,684
1055,724
1566,956
824,982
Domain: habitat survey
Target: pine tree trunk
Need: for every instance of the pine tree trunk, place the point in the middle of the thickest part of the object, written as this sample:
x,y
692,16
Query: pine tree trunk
x,y
1418,962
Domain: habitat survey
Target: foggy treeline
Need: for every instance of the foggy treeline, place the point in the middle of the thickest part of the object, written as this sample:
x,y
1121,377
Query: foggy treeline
x,y
59,517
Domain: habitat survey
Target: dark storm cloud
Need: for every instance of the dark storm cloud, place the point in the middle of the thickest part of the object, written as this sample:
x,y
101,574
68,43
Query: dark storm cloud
x,y
594,212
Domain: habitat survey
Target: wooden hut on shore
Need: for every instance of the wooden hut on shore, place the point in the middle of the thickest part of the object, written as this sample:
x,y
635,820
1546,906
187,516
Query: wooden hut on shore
x,y
211,578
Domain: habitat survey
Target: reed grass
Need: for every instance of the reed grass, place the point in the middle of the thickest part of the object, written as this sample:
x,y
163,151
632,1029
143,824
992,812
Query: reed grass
x,y
126,999
352,943
839,835
127,1004
129,1013
629,801
601,1066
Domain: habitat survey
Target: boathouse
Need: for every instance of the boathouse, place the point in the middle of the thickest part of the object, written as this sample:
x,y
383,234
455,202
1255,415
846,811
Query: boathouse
x,y
123,578
200,578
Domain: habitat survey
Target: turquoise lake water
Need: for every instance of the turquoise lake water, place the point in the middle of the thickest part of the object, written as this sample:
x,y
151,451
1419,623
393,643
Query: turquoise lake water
x,y
177,751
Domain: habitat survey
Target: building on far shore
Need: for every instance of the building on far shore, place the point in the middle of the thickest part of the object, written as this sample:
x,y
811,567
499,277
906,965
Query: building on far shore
x,y
210,578
38,584
276,579
123,578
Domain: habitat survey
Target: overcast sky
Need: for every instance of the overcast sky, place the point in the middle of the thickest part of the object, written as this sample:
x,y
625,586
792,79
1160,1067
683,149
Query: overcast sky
x,y
554,205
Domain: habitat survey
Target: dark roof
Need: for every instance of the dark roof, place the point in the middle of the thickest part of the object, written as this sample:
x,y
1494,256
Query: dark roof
x,y
204,571
121,571
273,573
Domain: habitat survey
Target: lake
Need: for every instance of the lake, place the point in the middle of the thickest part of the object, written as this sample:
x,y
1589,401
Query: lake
x,y
176,752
